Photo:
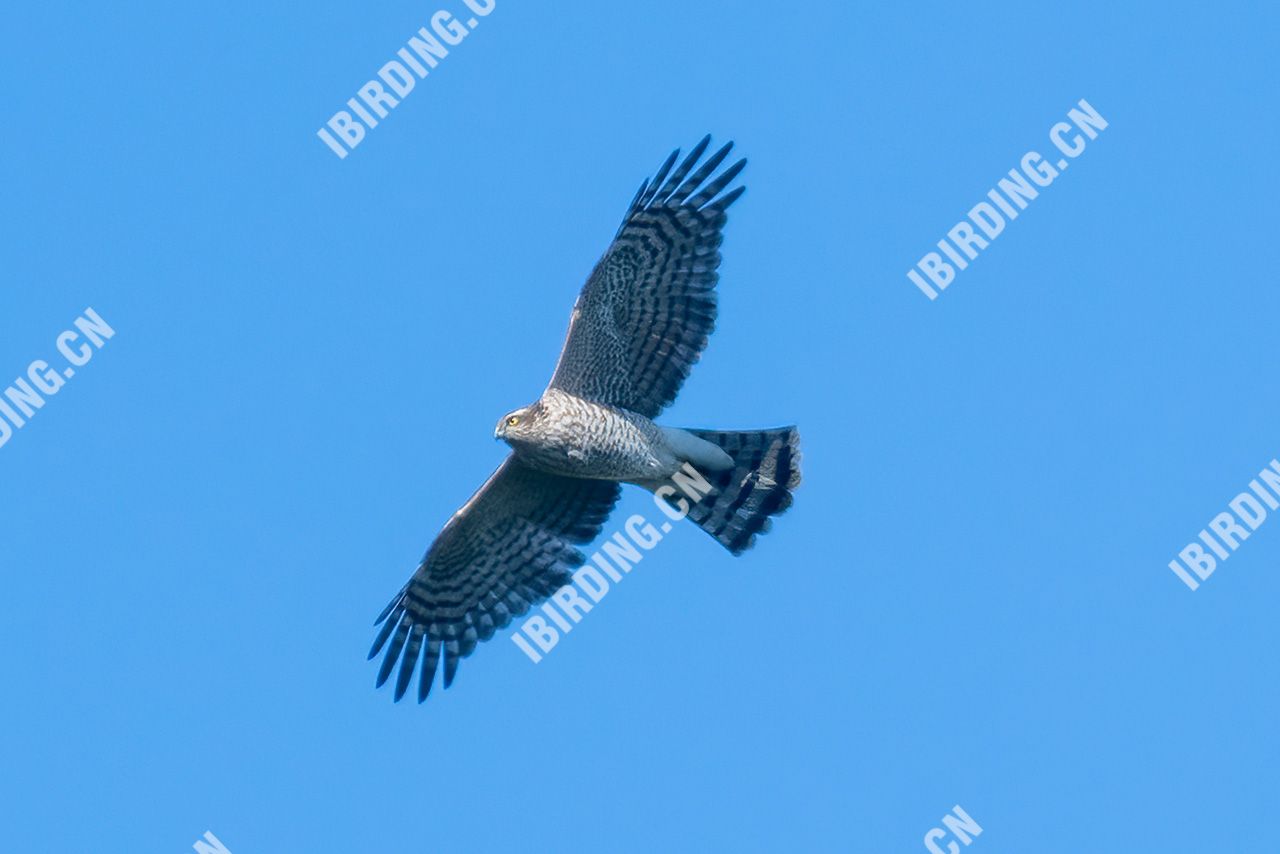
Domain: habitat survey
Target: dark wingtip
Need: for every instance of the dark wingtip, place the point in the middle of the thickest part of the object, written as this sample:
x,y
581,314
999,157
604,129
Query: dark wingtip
x,y
381,639
387,610
393,651
451,660
409,662
712,190
656,181
430,658
722,204
644,185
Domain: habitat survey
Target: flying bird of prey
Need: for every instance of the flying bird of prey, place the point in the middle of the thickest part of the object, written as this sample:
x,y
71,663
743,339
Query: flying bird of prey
x,y
638,326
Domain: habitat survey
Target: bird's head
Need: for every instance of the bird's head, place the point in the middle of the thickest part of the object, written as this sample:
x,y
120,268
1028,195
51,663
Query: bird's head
x,y
516,425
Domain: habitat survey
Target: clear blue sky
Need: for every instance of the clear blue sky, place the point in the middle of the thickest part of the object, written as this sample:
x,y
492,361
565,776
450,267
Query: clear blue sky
x,y
969,602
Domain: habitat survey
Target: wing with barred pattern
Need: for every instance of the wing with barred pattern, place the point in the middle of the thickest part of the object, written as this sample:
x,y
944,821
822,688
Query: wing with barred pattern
x,y
507,549
643,318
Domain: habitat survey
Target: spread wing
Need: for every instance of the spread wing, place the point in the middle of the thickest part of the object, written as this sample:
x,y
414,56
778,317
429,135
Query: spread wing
x,y
508,548
644,315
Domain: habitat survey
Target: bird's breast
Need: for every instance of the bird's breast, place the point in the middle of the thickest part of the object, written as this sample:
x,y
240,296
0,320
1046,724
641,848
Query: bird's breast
x,y
579,438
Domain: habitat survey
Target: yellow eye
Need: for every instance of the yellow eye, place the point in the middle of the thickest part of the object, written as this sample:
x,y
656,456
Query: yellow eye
x,y
513,420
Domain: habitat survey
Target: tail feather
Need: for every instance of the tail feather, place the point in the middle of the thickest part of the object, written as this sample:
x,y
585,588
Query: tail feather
x,y
766,468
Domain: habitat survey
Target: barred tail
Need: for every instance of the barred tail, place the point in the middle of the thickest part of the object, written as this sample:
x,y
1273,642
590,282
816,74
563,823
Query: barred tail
x,y
766,467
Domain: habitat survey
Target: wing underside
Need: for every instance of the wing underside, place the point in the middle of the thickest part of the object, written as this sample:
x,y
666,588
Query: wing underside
x,y
644,315
508,548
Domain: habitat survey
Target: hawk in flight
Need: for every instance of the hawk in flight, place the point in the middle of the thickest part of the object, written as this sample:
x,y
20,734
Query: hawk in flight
x,y
638,326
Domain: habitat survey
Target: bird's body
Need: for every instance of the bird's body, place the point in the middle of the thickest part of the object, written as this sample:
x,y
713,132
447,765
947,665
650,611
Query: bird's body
x,y
566,435
639,324
563,434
